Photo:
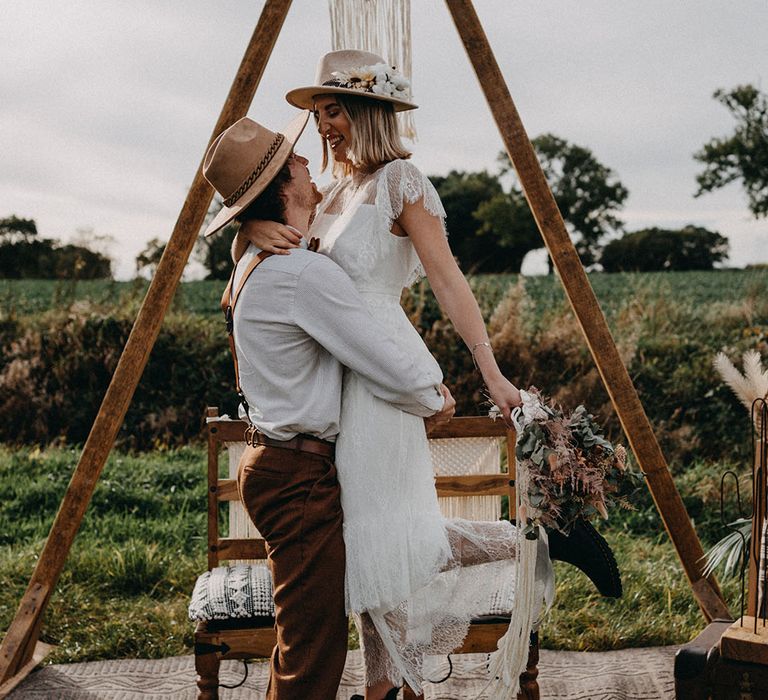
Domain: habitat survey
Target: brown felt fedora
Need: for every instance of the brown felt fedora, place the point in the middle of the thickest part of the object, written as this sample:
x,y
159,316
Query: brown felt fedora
x,y
352,72
243,160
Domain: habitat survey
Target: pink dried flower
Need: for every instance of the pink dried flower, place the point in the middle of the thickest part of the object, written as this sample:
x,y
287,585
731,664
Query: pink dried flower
x,y
572,468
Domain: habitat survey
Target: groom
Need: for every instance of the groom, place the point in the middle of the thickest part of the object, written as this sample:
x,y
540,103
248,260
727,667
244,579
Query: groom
x,y
296,321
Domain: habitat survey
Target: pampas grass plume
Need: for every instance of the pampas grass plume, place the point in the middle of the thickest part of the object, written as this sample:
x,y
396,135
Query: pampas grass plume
x,y
751,385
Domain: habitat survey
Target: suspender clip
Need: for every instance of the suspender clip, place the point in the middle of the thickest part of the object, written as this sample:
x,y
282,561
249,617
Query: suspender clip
x,y
244,404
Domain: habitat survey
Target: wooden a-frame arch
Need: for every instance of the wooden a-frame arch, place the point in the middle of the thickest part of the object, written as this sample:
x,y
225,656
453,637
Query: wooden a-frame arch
x,y
21,651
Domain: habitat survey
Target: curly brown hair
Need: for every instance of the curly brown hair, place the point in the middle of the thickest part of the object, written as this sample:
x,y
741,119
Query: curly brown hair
x,y
270,204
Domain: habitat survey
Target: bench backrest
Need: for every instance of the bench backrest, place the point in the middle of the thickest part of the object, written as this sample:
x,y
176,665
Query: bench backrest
x,y
474,459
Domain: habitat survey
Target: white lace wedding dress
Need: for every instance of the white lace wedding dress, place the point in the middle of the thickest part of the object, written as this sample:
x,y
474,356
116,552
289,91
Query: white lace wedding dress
x,y
406,564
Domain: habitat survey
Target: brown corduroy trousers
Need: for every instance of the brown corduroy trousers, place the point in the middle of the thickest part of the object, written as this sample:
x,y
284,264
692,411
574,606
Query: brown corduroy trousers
x,y
293,499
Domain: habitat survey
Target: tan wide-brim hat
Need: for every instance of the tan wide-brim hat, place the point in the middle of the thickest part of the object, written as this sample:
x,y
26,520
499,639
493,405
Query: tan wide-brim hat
x,y
359,73
243,160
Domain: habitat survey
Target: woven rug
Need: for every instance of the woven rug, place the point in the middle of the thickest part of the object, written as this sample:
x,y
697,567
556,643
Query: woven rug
x,y
630,674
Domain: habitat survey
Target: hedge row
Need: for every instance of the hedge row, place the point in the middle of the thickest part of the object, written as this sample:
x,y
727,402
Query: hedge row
x,y
56,366
57,370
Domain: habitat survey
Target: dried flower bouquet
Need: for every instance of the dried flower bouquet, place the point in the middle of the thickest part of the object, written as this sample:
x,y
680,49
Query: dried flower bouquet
x,y
572,470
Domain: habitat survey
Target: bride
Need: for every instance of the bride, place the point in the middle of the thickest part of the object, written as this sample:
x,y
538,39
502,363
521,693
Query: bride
x,y
408,578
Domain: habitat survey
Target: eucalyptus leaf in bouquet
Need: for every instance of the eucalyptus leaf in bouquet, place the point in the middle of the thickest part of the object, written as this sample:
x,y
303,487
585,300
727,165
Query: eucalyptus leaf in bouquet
x,y
573,471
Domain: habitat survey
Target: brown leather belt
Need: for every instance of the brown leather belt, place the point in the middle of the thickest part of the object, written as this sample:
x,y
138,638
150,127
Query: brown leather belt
x,y
301,443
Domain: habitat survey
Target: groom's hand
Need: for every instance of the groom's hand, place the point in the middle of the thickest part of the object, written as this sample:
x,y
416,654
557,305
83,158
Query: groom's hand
x,y
444,414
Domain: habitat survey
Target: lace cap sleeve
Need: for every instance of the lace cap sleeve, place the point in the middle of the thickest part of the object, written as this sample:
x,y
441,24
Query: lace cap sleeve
x,y
400,182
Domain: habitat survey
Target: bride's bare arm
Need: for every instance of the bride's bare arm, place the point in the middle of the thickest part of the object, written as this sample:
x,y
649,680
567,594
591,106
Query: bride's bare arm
x,y
270,236
456,299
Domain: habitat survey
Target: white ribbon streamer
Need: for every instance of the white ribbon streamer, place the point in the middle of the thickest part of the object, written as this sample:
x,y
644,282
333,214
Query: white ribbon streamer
x,y
534,579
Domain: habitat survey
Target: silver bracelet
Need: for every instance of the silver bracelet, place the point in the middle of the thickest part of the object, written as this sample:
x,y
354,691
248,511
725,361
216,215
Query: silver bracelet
x,y
477,345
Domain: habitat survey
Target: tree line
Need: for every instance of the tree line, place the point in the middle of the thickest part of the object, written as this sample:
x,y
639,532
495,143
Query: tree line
x,y
24,254
491,228
489,222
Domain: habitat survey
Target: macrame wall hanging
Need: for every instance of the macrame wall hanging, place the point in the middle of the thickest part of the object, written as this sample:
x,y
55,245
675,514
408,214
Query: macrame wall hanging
x,y
382,27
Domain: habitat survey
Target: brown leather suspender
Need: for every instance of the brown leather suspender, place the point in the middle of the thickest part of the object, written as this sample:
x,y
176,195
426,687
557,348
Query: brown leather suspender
x,y
228,302
302,443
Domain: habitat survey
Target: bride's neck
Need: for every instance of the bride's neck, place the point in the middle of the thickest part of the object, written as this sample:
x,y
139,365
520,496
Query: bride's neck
x,y
358,174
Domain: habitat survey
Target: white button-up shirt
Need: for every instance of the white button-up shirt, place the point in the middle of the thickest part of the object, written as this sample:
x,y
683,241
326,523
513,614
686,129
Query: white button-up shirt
x,y
299,319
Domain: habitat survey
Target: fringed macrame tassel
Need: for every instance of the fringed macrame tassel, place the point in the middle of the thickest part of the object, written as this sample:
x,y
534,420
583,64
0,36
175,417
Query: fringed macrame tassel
x,y
511,656
382,27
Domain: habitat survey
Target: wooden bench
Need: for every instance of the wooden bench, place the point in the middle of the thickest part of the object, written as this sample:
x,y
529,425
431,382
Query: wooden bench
x,y
253,635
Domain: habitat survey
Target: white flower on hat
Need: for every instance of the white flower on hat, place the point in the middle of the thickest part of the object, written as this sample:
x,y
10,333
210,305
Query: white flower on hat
x,y
381,71
379,79
400,83
386,89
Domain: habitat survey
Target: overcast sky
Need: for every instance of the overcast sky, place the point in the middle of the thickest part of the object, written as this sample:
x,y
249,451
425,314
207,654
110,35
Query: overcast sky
x,y
106,107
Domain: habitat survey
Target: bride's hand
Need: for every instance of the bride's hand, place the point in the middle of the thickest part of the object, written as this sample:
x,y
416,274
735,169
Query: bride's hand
x,y
506,396
270,236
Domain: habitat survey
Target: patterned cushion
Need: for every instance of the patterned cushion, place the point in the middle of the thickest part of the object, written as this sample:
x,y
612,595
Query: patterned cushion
x,y
244,590
502,599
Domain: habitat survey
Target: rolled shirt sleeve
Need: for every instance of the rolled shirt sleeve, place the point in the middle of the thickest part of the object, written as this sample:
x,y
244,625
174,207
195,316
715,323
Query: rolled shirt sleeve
x,y
329,308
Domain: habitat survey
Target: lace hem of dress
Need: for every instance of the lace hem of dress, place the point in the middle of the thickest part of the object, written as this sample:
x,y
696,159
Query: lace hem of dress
x,y
477,579
383,576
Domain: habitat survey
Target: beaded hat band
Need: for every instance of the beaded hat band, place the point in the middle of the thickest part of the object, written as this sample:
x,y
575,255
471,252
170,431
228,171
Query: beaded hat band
x,y
243,160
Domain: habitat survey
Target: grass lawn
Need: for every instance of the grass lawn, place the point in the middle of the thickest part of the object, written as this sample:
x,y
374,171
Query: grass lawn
x,y
657,608
126,585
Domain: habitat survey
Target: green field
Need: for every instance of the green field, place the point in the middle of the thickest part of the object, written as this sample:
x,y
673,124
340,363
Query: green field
x,y
24,297
60,342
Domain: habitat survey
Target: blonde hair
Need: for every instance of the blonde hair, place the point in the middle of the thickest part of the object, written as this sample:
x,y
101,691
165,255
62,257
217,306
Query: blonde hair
x,y
375,136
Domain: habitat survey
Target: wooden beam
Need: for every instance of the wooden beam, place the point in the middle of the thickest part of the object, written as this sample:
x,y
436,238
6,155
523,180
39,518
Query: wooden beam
x,y
14,643
212,496
483,638
250,642
587,309
472,485
469,426
225,430
234,548
760,461
41,651
746,640
25,629
226,490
